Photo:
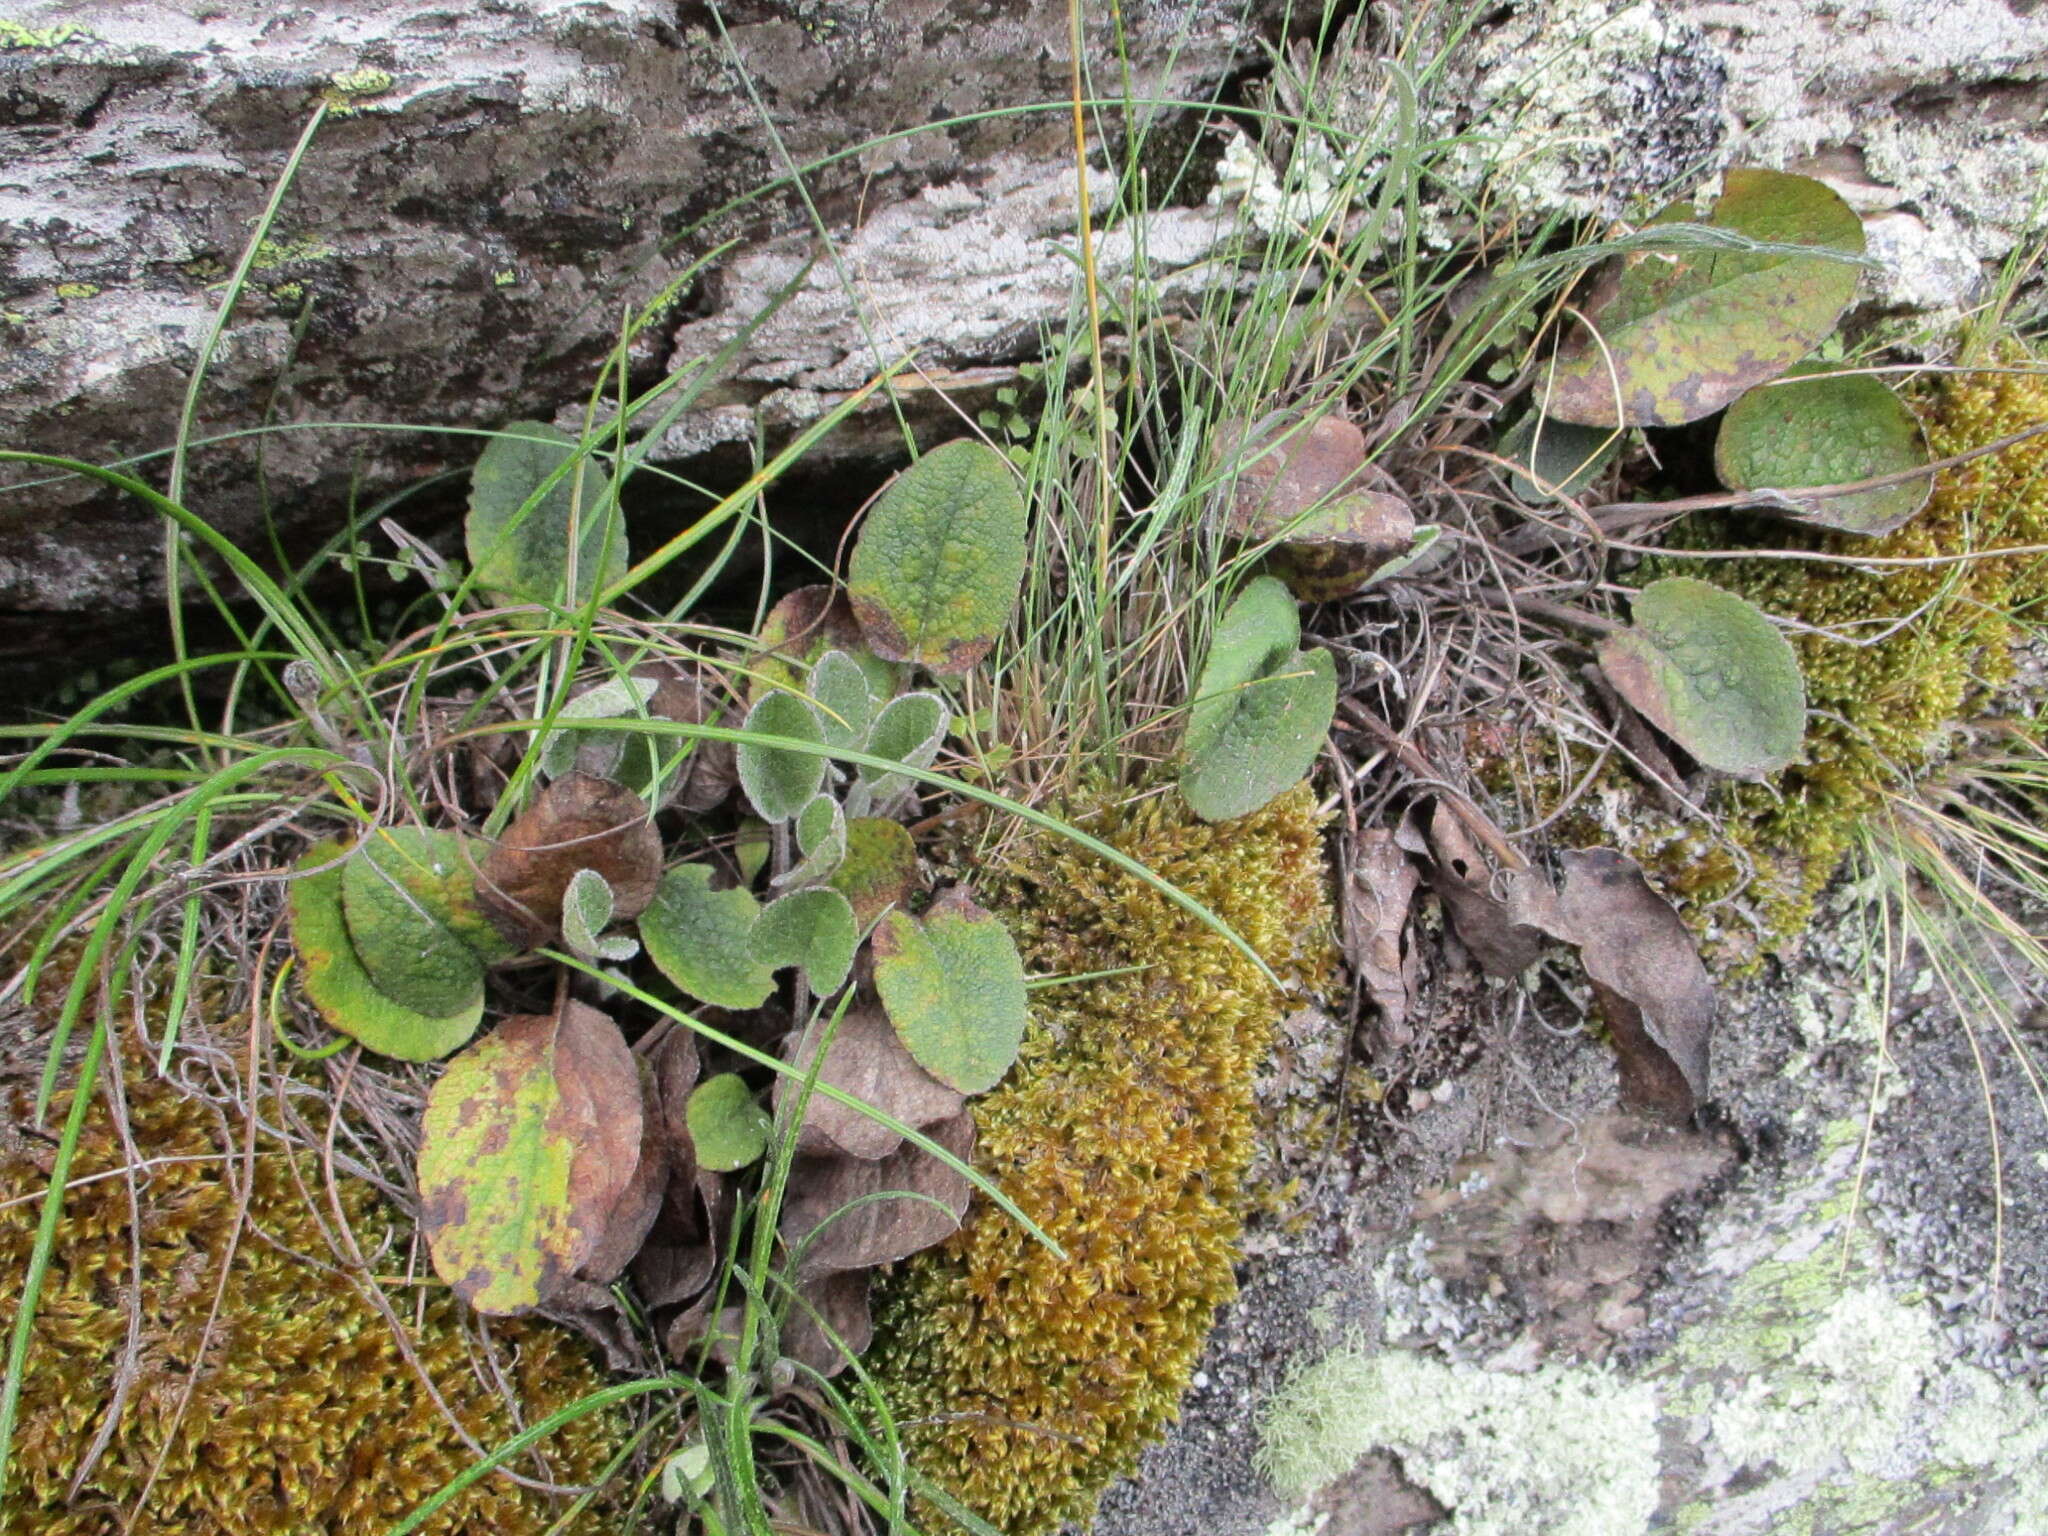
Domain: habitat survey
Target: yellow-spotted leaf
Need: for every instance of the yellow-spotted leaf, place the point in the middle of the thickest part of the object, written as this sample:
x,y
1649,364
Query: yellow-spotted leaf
x,y
530,1138
1676,334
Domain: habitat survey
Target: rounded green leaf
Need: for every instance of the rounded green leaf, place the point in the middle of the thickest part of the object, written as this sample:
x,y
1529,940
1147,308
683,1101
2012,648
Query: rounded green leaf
x,y
778,782
395,908
702,940
909,730
438,870
1679,333
1262,708
586,911
1556,458
1256,633
1827,430
521,552
940,561
728,1126
336,983
1713,673
821,838
530,1138
1268,741
953,986
847,708
814,929
880,867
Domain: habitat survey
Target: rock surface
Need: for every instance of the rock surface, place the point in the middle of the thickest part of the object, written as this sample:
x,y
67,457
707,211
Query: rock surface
x,y
494,189
1928,112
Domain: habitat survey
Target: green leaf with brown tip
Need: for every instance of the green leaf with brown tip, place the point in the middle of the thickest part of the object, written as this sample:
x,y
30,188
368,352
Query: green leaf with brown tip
x,y
879,870
1679,333
520,552
940,562
1713,673
953,986
728,1127
702,940
1830,429
530,1138
336,983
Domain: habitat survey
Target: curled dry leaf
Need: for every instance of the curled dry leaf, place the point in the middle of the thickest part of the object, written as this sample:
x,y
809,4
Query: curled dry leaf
x,y
680,1253
1376,902
1308,492
690,693
633,1215
578,822
801,628
1497,918
866,1060
921,1202
530,1139
1654,993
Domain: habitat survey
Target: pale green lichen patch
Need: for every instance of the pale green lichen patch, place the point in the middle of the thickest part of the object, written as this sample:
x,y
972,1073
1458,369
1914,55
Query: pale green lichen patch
x,y
1810,1397
1491,1447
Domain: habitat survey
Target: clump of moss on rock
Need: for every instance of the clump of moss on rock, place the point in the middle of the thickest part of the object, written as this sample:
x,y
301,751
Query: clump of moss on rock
x,y
1883,714
304,1414
1024,1382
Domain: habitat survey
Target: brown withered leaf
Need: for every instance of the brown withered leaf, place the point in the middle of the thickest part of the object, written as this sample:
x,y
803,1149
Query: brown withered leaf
x,y
1285,468
932,1198
1375,912
530,1138
801,627
1654,993
690,693
579,821
867,1060
1501,925
639,1203
837,1302
677,1065
1349,530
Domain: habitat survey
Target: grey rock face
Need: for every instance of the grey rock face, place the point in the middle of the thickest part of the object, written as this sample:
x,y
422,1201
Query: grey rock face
x,y
1933,113
495,188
